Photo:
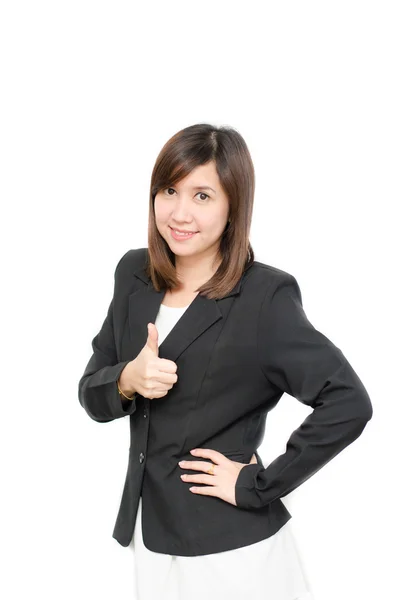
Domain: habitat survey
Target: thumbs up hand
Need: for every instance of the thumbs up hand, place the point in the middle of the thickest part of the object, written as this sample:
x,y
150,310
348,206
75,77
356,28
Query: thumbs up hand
x,y
148,374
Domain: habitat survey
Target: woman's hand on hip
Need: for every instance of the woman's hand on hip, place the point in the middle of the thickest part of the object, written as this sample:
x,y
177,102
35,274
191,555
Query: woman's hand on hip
x,y
222,483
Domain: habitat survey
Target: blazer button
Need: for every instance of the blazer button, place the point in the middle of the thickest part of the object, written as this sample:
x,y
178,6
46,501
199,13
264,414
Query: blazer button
x,y
141,457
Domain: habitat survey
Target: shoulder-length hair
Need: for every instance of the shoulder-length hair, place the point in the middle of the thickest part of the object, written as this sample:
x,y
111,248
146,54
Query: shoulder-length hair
x,y
193,146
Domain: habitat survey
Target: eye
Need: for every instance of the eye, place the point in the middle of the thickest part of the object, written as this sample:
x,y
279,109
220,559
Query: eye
x,y
201,194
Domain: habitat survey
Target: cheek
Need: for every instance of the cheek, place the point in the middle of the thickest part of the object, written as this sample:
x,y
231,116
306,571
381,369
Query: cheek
x,y
160,212
216,225
209,231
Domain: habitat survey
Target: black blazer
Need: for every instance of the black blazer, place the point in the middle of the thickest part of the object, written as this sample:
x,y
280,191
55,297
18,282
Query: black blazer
x,y
236,356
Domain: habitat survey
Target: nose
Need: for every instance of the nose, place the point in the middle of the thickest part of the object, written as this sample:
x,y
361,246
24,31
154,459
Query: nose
x,y
181,212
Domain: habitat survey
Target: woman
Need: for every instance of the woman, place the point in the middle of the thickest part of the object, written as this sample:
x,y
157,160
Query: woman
x,y
199,344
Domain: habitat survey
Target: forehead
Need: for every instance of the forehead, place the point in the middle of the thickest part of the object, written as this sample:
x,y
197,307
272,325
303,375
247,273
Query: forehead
x,y
201,176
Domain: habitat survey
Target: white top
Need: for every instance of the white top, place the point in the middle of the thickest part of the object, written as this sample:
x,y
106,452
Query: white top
x,y
271,569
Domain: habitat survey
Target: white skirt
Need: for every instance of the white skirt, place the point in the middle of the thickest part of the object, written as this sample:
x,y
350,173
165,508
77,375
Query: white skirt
x,y
267,570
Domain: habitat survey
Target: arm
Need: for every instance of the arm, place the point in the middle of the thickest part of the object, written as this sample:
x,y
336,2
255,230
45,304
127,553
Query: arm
x,y
97,389
299,360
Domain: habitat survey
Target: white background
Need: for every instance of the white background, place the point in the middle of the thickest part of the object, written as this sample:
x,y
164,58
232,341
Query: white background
x,y
90,92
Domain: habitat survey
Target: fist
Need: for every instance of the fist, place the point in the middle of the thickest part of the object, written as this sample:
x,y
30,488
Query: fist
x,y
150,375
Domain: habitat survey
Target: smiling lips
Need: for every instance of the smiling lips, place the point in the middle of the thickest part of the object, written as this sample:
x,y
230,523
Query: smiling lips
x,y
182,230
182,236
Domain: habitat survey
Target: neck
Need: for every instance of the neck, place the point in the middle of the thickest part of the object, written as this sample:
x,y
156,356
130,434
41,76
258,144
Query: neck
x,y
193,274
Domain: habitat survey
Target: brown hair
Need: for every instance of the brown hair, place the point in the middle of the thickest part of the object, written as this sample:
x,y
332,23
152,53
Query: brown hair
x,y
193,146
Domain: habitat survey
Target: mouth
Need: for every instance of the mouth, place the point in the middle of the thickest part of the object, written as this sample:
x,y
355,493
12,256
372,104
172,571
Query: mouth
x,y
182,235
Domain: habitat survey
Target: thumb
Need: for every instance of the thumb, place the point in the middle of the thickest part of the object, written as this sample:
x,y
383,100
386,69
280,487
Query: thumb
x,y
152,338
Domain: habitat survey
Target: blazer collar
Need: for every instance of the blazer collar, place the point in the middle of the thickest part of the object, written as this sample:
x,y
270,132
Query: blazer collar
x,y
202,313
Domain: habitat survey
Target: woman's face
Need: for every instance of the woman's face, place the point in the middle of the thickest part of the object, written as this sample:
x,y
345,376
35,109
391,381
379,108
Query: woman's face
x,y
191,206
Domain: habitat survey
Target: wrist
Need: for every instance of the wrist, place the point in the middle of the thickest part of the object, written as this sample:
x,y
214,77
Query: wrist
x,y
127,392
125,387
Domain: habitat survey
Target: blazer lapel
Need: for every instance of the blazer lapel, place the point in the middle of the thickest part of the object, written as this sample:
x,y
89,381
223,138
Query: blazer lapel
x,y
201,314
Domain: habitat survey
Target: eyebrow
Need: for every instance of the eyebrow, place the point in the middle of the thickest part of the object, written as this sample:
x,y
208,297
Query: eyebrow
x,y
203,187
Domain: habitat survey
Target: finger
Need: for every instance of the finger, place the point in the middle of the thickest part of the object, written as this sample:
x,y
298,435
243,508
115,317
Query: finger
x,y
195,465
166,366
213,455
207,490
168,378
199,478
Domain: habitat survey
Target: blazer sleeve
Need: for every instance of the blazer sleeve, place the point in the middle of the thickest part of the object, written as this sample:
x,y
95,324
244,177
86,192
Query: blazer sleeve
x,y
299,360
97,389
